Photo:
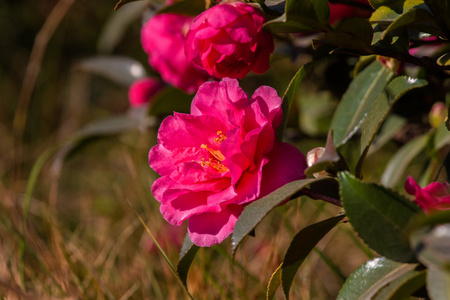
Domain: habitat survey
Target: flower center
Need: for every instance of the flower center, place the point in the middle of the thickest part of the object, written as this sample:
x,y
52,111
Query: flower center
x,y
215,161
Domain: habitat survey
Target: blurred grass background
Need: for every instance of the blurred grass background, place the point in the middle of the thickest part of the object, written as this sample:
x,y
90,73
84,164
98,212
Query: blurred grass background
x,y
82,238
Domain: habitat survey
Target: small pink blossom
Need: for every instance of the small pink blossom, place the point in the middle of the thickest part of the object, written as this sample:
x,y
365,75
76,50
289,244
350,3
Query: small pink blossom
x,y
143,90
221,157
227,41
339,11
163,37
435,196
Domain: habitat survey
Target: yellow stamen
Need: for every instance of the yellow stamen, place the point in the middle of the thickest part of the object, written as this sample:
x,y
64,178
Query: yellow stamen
x,y
215,161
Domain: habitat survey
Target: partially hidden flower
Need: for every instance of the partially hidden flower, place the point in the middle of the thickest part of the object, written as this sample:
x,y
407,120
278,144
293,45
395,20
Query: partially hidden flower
x,y
339,11
227,40
221,157
435,196
162,38
142,91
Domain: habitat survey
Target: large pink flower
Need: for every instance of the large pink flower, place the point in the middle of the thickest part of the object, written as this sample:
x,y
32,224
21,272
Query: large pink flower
x,y
435,196
220,158
162,37
227,41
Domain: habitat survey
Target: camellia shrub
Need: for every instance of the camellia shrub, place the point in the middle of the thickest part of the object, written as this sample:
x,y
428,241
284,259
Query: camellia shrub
x,y
258,104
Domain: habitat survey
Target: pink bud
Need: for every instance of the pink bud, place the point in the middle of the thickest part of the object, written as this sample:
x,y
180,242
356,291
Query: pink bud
x,y
142,91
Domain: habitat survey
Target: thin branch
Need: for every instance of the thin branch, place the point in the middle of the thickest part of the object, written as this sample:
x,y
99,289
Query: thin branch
x,y
425,62
318,196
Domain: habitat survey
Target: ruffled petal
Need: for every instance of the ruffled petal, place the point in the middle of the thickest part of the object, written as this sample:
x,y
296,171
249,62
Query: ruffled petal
x,y
209,229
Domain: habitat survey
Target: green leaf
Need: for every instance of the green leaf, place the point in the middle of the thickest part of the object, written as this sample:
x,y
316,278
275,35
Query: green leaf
x,y
302,16
368,279
441,11
187,255
410,19
357,100
383,104
444,60
378,3
289,97
115,28
168,100
274,283
392,125
400,161
301,246
256,211
431,239
379,215
122,70
354,33
441,138
403,287
185,7
438,283
105,127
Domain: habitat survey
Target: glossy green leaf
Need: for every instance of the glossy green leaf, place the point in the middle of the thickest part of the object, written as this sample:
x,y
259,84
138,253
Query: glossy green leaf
x,y
383,104
357,101
256,211
403,287
378,3
185,7
444,60
289,97
122,70
438,283
389,11
379,215
368,279
274,283
187,255
302,16
301,246
410,19
400,161
354,33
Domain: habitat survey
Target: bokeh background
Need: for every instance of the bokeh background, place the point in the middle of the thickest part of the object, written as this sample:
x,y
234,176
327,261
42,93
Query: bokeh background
x,y
80,236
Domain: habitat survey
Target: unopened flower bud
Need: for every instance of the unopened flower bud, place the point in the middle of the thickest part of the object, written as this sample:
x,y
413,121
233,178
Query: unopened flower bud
x,y
438,114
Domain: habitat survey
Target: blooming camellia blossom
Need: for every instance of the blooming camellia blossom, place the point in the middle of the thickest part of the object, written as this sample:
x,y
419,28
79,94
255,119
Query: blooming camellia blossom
x,y
221,157
162,37
227,41
435,196
142,91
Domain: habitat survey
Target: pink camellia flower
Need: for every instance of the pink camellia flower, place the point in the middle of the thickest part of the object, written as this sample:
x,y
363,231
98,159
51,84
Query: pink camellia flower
x,y
220,158
142,91
435,196
339,11
162,37
227,41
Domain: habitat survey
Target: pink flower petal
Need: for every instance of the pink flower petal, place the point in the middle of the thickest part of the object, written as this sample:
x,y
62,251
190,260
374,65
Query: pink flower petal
x,y
209,229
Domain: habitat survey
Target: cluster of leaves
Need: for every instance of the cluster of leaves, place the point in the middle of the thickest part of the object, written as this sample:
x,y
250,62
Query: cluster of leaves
x,y
413,259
